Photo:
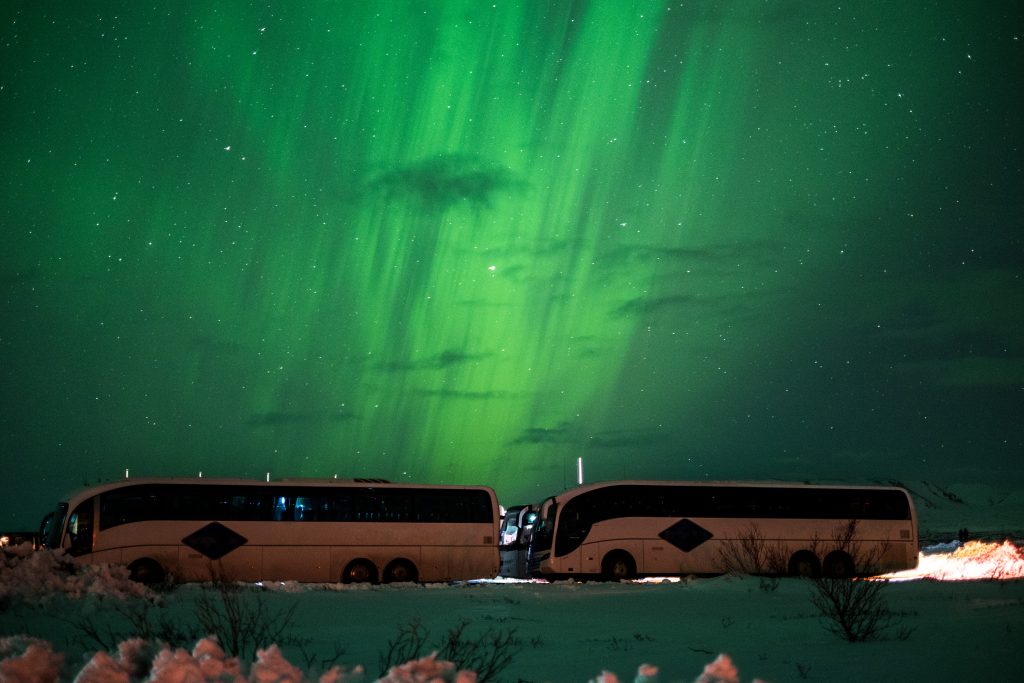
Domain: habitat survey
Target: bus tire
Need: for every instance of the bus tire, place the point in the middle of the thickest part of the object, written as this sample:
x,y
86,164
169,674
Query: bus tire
x,y
838,565
146,571
359,571
805,564
618,565
400,571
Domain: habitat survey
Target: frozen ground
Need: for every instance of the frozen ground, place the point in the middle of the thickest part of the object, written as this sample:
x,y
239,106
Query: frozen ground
x,y
941,630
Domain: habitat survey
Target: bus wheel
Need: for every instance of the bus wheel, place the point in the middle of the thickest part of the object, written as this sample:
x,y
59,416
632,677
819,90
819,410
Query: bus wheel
x,y
837,565
359,571
804,563
146,571
618,565
400,571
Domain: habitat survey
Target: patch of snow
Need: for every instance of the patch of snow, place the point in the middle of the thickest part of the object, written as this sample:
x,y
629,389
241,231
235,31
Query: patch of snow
x,y
41,574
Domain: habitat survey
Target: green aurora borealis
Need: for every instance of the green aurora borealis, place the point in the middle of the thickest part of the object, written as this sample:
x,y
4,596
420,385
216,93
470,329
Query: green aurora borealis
x,y
469,242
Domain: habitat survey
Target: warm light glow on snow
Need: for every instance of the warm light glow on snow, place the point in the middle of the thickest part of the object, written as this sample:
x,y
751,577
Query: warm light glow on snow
x,y
972,561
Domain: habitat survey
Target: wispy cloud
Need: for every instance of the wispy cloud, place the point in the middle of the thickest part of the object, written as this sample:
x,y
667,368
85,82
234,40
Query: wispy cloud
x,y
446,359
538,435
566,433
440,182
646,305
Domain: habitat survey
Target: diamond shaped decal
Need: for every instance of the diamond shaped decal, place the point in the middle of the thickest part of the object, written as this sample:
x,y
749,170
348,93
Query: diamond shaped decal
x,y
214,540
686,535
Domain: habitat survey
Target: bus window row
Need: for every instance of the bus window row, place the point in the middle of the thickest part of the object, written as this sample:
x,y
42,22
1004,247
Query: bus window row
x,y
738,502
300,504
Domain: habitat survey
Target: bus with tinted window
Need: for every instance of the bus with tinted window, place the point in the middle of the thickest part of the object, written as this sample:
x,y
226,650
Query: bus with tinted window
x,y
626,529
291,530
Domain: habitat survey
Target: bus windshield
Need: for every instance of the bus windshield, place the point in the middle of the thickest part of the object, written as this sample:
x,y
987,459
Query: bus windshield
x,y
49,530
543,531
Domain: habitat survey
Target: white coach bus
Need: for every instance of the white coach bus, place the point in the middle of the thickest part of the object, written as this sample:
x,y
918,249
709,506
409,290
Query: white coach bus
x,y
624,529
300,530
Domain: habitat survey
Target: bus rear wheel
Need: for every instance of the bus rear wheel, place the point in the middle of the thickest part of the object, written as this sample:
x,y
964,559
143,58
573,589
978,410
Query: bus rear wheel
x,y
804,563
400,571
359,571
146,571
618,566
838,565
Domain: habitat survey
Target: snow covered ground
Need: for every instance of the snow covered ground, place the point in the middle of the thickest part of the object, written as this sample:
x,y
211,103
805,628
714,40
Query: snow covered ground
x,y
58,625
942,631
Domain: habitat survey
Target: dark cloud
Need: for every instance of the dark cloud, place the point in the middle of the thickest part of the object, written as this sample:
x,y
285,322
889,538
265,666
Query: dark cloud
x,y
646,305
567,434
446,359
710,255
443,181
542,435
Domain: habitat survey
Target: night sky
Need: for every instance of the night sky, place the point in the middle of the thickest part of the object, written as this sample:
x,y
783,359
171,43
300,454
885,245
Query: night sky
x,y
468,242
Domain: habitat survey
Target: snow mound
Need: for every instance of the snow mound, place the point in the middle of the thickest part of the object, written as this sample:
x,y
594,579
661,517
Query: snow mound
x,y
30,660
645,674
428,670
29,574
722,670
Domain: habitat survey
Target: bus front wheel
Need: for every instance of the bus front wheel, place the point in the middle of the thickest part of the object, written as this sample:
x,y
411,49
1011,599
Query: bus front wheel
x,y
618,566
146,571
400,571
804,563
359,571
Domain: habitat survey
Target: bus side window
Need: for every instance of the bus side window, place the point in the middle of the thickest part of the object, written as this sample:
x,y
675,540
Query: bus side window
x,y
80,529
280,509
367,506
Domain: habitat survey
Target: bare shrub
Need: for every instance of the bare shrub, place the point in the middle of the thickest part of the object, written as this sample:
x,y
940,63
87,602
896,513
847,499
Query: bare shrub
x,y
239,617
141,618
405,647
488,653
852,607
864,559
751,553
